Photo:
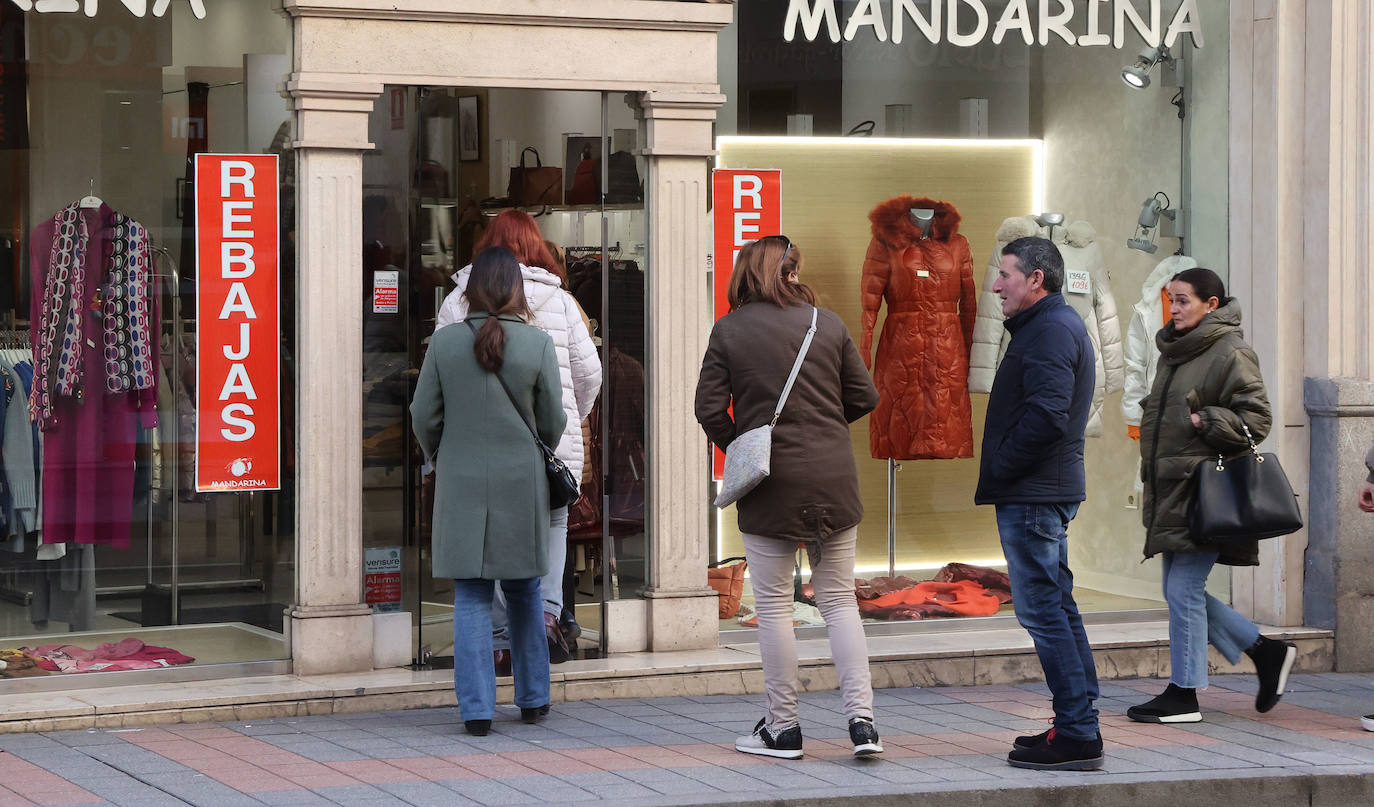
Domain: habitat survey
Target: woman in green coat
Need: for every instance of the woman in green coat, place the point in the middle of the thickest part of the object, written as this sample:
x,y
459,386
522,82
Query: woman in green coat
x,y
491,501
1208,399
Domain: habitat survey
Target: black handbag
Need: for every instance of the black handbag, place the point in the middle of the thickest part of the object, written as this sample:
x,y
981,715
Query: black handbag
x,y
1244,498
564,488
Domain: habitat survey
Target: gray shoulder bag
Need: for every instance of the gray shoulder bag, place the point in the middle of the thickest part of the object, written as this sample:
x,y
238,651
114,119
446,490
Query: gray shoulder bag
x,y
748,458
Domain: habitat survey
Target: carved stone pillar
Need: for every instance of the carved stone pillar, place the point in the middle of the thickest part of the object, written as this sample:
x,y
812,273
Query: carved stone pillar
x,y
682,609
330,626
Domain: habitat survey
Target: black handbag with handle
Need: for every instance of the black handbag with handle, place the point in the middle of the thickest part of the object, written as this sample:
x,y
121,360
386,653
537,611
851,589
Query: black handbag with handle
x,y
564,488
1244,498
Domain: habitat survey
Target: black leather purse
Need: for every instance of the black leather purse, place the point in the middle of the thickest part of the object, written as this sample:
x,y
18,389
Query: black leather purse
x,y
1244,498
564,488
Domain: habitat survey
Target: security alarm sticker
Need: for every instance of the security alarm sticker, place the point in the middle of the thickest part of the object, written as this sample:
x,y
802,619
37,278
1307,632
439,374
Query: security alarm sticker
x,y
386,284
382,578
238,367
1078,281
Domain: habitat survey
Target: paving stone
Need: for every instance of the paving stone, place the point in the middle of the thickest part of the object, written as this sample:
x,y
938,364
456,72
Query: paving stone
x,y
550,789
490,792
201,791
424,794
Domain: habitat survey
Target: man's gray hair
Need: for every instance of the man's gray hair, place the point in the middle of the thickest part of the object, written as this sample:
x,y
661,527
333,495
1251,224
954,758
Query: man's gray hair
x,y
1034,253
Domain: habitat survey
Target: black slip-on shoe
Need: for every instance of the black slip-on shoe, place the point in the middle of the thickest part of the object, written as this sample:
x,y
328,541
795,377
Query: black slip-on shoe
x,y
477,728
1273,661
1059,753
864,737
786,744
1174,705
532,714
1367,722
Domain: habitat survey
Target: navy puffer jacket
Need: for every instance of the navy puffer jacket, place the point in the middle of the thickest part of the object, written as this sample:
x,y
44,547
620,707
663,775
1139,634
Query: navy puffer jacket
x,y
1038,409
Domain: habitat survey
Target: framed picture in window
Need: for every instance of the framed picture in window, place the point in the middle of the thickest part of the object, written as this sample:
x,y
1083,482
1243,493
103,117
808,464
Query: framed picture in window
x,y
469,129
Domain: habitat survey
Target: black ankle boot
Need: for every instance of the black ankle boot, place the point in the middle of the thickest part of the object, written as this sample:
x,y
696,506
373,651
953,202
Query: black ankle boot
x,y
533,714
1273,661
477,728
1175,705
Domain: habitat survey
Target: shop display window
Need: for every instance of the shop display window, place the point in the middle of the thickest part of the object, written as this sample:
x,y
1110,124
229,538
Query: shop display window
x,y
448,161
114,554
1117,153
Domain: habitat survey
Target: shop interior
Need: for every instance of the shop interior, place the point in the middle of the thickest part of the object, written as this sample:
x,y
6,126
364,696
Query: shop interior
x,y
447,160
1056,140
110,559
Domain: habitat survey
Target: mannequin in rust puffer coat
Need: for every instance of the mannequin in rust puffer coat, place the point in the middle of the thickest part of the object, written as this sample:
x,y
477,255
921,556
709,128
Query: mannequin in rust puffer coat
x,y
921,370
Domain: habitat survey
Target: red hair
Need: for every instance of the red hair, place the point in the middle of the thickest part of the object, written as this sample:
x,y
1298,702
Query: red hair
x,y
516,231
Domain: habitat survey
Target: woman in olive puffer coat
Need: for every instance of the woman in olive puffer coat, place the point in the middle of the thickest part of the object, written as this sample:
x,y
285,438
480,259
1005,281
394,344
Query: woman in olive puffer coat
x,y
1207,393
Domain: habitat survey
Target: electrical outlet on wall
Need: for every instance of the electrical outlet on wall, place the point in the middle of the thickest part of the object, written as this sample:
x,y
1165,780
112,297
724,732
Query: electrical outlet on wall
x,y
1132,501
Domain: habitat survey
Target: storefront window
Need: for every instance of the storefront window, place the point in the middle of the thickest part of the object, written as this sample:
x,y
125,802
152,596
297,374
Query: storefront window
x,y
897,110
448,161
115,553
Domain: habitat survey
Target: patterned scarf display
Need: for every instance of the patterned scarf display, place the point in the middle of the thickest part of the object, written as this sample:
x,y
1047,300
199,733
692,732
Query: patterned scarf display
x,y
128,344
57,355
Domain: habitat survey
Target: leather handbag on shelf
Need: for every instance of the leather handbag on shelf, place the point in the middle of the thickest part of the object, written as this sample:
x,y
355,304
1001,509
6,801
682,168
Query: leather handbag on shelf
x,y
727,578
537,184
1244,498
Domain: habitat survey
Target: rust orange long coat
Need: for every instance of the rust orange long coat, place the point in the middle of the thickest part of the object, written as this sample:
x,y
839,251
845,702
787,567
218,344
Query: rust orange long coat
x,y
921,370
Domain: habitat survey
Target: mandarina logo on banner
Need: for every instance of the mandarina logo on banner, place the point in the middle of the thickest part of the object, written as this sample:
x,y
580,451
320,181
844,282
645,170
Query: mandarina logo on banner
x,y
238,367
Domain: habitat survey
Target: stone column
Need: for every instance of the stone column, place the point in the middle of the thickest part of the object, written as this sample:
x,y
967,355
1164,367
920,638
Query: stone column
x,y
682,609
1337,264
330,626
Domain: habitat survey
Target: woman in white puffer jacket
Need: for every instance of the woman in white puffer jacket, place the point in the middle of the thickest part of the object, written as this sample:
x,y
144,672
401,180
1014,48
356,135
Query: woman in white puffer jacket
x,y
579,368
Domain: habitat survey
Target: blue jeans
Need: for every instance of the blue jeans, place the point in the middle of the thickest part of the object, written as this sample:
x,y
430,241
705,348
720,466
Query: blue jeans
x,y
1035,542
1196,618
474,676
551,584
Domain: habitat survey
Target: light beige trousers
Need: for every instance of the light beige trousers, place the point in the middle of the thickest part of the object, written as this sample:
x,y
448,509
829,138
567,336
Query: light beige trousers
x,y
771,564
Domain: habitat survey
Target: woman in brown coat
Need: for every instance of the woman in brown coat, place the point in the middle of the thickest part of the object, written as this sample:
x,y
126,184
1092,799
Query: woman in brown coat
x,y
1208,398
812,494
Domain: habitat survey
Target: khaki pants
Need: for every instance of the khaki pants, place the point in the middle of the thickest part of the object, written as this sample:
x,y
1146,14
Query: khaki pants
x,y
770,571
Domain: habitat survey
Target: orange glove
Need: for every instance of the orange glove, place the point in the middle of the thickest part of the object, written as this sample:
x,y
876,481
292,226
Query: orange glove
x,y
1133,432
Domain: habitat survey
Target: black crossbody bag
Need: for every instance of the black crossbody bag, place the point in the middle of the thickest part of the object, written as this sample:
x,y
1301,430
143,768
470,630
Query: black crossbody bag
x,y
564,488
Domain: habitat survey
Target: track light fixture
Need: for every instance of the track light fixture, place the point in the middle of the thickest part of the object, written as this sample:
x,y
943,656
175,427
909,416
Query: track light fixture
x,y
1137,76
1150,211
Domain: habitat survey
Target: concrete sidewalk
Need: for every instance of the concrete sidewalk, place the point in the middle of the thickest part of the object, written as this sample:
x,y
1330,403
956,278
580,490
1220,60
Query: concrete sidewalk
x,y
950,741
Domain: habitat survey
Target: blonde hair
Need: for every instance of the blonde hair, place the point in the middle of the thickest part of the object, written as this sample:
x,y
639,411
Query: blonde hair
x,y
761,274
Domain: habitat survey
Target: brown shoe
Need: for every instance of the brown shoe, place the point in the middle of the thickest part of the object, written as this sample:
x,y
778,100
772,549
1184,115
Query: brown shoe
x,y
502,660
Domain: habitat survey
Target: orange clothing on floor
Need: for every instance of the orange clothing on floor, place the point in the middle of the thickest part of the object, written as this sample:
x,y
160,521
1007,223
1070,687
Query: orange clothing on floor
x,y
964,596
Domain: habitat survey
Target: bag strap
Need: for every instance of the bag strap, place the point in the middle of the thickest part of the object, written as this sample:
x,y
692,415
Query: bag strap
x,y
796,367
723,561
511,395
538,163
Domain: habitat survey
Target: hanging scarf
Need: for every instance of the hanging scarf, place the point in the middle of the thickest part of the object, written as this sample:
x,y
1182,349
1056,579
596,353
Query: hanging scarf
x,y
57,359
128,343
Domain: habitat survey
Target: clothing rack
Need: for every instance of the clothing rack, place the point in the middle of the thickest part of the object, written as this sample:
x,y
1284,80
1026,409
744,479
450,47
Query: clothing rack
x,y
614,250
14,339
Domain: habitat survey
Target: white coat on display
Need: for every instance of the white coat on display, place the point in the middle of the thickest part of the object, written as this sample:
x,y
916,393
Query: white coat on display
x,y
557,314
1147,317
1083,261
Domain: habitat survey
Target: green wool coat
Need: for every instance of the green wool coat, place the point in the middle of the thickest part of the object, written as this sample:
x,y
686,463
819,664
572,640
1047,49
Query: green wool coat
x,y
491,496
1209,370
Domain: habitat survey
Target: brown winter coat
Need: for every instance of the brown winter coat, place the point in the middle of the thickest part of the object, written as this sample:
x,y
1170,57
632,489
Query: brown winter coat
x,y
812,491
1209,370
921,370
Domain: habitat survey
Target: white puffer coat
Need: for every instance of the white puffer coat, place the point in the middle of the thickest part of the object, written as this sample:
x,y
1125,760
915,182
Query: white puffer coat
x,y
1077,242
1147,317
579,368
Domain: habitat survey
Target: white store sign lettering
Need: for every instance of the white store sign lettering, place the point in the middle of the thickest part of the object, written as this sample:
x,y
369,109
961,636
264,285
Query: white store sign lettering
x,y
139,8
966,22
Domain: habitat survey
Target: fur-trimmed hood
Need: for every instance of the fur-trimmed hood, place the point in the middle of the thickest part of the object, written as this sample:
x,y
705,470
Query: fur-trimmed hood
x,y
1159,276
893,226
1074,234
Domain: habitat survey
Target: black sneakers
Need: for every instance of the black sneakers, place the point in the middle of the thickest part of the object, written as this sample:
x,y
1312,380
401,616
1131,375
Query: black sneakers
x,y
1028,740
864,737
786,744
1175,705
1273,661
1059,753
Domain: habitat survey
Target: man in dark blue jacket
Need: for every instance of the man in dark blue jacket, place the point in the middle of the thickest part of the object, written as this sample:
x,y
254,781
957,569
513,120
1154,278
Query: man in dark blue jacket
x,y
1032,470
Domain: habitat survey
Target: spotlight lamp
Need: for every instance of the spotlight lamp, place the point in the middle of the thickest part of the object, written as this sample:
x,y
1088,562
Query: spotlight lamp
x,y
1148,222
1137,76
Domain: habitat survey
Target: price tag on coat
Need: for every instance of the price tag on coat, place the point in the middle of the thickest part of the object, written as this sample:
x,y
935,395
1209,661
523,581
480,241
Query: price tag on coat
x,y
1078,281
923,273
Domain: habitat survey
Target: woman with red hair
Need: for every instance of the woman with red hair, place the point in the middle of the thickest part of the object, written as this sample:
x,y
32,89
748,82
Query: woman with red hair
x,y
579,369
